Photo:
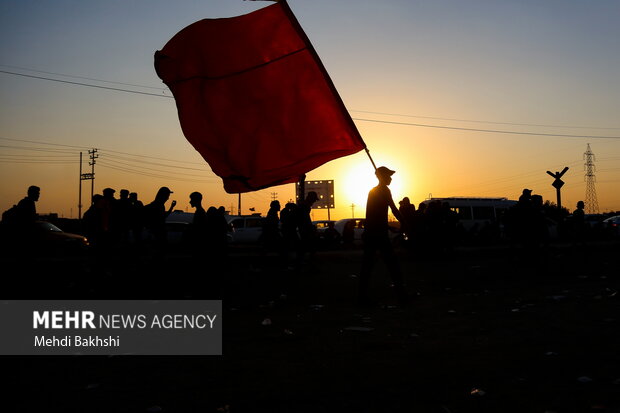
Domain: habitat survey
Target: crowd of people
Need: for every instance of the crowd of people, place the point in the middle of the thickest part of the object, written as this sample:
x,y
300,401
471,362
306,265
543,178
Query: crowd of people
x,y
434,226
112,222
117,224
289,231
431,229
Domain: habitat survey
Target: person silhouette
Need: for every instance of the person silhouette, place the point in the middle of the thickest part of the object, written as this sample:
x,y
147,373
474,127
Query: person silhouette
x,y
420,233
450,221
136,217
520,219
198,233
221,231
200,215
27,206
92,221
307,230
108,206
288,220
331,236
579,213
18,221
526,196
155,215
121,216
270,236
348,233
25,212
407,212
376,237
579,224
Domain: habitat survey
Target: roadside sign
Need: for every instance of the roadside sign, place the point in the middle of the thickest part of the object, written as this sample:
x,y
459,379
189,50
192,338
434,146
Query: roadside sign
x,y
325,191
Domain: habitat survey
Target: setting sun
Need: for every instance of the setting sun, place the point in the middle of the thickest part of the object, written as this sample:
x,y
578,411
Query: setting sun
x,y
358,180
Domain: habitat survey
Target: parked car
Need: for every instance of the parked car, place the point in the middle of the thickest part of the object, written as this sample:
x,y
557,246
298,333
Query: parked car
x,y
180,216
45,238
245,229
327,237
477,212
178,225
593,220
350,229
612,224
49,235
321,226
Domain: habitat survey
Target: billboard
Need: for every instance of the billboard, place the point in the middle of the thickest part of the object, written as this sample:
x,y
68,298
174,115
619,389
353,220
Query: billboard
x,y
325,191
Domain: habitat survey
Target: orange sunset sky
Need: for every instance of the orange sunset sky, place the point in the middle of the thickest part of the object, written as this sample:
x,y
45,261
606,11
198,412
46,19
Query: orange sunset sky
x,y
475,98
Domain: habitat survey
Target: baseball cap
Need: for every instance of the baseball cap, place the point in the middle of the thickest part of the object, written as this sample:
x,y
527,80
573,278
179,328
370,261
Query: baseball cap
x,y
382,170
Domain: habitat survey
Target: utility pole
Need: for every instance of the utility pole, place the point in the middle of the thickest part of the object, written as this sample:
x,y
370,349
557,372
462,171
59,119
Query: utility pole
x,y
87,176
274,196
239,205
80,191
558,183
591,200
352,210
92,162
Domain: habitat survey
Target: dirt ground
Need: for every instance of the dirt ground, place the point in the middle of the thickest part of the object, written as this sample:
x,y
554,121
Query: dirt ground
x,y
488,330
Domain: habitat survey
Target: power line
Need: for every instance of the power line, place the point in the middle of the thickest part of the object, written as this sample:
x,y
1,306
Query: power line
x,y
137,172
504,183
501,183
147,168
85,84
86,147
358,119
40,161
30,148
42,143
154,157
164,89
487,130
156,163
10,155
481,121
116,167
84,78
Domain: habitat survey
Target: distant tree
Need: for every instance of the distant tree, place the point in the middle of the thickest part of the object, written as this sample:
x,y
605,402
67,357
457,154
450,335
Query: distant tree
x,y
552,211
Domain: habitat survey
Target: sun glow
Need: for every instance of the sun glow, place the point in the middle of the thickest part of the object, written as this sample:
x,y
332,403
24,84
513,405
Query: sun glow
x,y
360,179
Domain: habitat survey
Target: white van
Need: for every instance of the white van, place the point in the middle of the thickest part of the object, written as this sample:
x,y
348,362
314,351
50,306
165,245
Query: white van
x,y
480,211
246,229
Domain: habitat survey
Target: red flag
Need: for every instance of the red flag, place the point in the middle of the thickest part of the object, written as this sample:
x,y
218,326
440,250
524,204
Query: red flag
x,y
254,99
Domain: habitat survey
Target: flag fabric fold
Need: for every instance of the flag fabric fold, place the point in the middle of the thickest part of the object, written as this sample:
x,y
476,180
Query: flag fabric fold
x,y
254,99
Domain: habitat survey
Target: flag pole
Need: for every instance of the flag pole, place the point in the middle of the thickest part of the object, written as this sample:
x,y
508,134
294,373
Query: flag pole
x,y
370,157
